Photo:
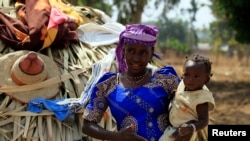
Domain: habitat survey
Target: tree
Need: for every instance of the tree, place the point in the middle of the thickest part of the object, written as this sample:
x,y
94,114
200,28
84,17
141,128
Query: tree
x,y
235,13
130,11
173,34
232,26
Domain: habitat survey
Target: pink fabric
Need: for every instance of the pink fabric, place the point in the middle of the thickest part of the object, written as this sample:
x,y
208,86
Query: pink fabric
x,y
56,17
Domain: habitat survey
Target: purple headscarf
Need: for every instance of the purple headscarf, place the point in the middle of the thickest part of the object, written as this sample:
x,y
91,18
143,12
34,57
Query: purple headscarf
x,y
135,33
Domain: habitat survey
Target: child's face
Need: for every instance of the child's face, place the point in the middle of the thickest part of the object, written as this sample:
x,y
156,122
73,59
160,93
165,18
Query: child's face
x,y
194,75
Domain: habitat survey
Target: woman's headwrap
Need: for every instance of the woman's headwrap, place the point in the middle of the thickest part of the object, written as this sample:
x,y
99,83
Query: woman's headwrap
x,y
135,33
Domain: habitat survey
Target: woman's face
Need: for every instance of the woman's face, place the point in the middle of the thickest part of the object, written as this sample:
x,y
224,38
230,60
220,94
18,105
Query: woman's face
x,y
195,75
137,57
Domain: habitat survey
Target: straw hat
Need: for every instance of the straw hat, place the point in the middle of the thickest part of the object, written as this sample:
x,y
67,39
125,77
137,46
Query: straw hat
x,y
21,68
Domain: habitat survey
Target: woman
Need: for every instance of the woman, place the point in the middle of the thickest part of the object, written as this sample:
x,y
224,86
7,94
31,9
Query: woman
x,y
137,95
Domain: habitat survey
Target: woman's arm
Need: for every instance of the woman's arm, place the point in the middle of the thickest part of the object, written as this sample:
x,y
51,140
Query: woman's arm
x,y
94,130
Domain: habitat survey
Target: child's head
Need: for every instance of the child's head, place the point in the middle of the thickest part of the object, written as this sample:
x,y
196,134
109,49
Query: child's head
x,y
196,72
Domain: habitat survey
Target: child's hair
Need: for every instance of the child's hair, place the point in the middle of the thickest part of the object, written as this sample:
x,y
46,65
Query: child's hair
x,y
202,60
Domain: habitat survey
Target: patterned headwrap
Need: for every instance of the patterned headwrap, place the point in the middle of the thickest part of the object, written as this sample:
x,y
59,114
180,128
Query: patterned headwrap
x,y
135,33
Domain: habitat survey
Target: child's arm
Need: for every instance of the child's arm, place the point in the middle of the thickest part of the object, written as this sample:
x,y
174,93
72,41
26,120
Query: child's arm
x,y
192,126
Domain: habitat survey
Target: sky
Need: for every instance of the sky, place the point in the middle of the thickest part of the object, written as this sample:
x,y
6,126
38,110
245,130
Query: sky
x,y
203,17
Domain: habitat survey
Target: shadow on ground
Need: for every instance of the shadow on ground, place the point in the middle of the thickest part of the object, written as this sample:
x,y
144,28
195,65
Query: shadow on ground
x,y
232,102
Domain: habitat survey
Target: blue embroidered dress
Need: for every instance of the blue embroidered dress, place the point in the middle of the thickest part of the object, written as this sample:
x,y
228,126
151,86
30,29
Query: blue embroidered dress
x,y
146,107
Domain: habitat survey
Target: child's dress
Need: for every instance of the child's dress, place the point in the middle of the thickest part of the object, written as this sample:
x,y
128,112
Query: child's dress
x,y
183,109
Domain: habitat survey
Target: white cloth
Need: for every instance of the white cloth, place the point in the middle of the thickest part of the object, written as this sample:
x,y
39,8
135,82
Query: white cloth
x,y
98,35
98,69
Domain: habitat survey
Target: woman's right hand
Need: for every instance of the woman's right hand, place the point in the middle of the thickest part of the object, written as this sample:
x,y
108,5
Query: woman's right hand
x,y
98,132
128,134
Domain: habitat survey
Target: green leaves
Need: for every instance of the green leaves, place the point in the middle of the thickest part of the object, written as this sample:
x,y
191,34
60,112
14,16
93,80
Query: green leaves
x,y
235,13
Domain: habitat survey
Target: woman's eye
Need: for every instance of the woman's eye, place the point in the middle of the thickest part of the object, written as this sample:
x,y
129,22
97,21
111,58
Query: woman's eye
x,y
144,53
130,51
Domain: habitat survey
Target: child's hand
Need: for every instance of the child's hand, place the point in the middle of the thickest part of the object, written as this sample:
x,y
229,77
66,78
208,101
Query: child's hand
x,y
174,134
185,129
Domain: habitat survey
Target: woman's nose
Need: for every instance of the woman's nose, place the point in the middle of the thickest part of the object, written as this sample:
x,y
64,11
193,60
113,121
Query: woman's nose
x,y
136,57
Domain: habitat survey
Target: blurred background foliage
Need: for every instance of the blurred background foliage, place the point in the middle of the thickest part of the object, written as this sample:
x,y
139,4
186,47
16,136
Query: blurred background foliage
x,y
229,34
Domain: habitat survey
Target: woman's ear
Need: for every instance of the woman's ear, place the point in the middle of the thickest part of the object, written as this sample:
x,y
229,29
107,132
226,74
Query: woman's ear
x,y
123,52
152,55
153,50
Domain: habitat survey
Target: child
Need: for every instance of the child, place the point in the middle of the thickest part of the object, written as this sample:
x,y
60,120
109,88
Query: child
x,y
189,113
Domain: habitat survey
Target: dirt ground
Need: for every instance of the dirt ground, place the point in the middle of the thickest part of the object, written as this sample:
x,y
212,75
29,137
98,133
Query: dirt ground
x,y
230,85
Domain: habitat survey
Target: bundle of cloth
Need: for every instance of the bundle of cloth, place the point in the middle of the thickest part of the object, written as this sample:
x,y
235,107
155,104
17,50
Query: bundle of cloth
x,y
40,24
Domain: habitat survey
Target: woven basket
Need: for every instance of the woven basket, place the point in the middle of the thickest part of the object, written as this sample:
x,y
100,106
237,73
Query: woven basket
x,y
16,123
